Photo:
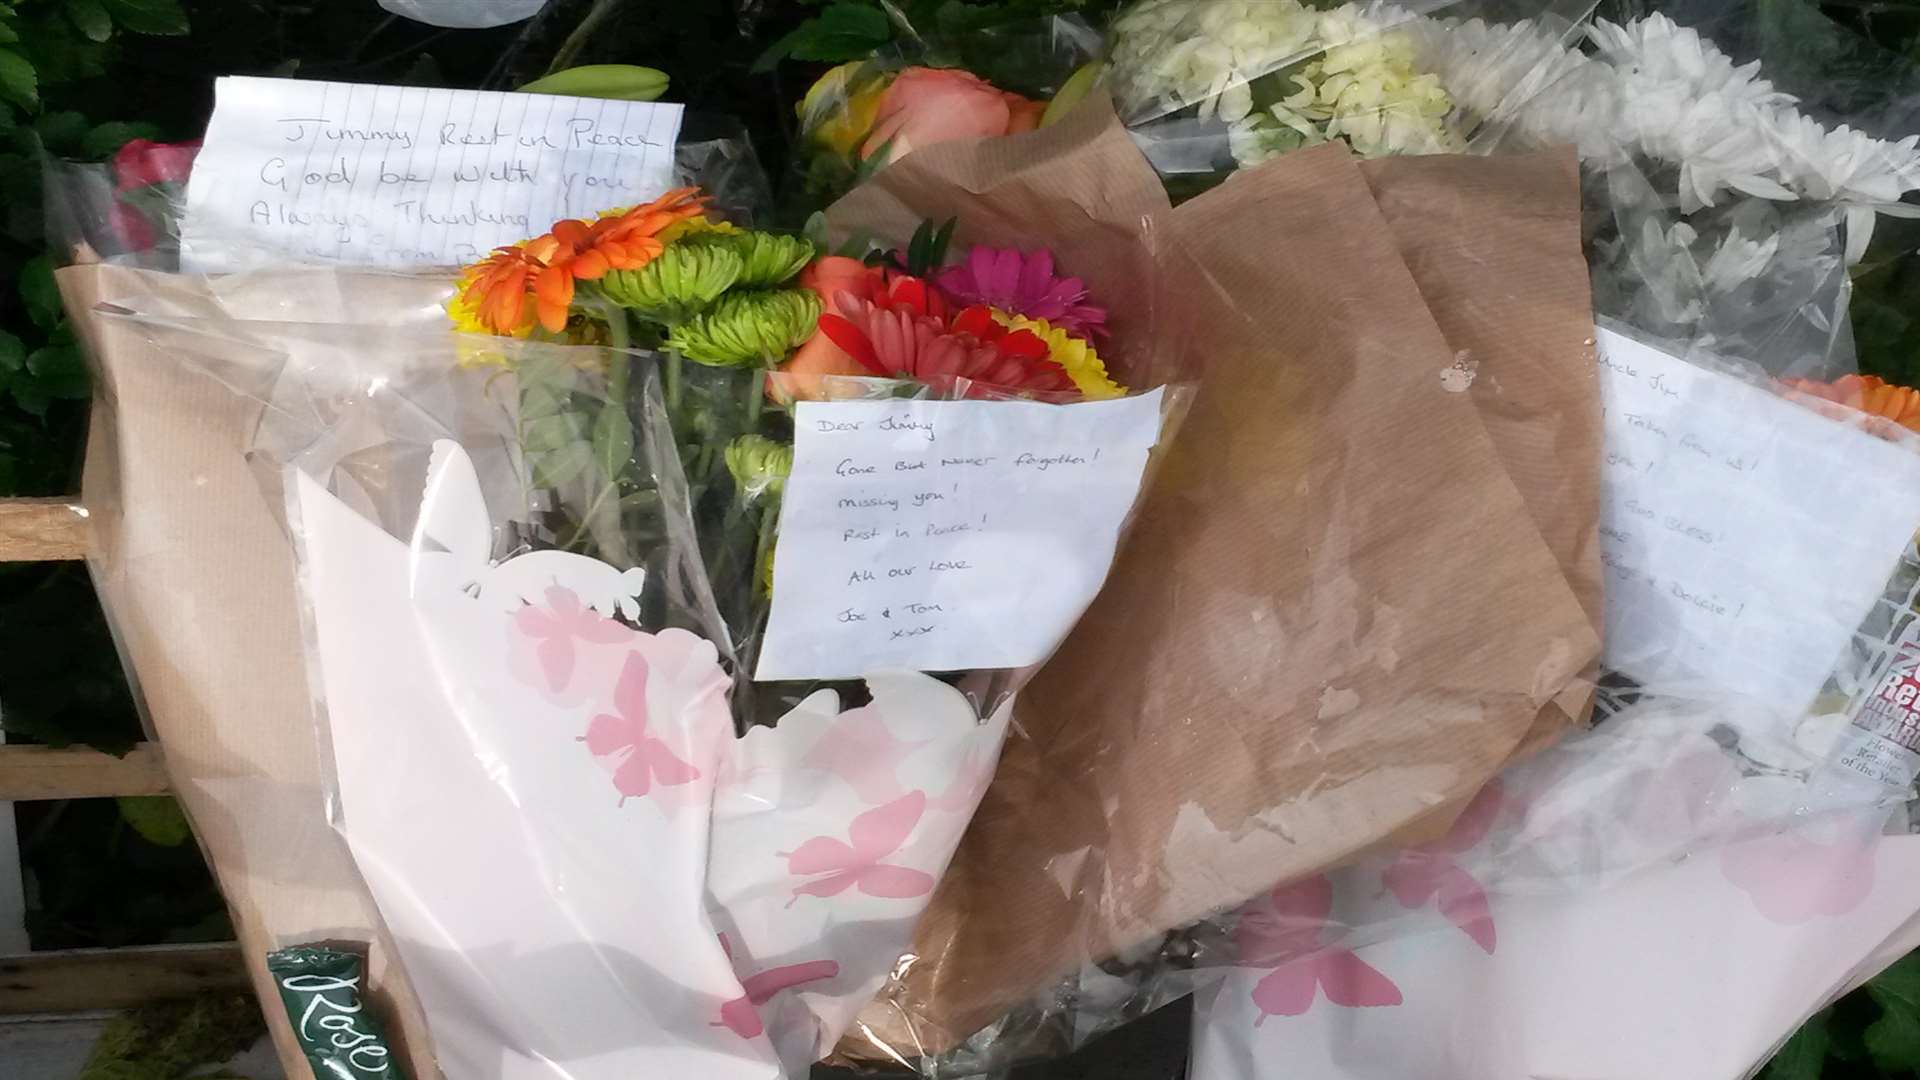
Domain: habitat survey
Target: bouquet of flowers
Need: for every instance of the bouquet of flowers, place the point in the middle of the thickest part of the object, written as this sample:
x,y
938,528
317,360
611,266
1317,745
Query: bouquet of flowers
x,y
546,561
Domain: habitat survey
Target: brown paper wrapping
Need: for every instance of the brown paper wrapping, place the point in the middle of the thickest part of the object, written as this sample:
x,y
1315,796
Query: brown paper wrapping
x,y
1494,245
1337,614
198,580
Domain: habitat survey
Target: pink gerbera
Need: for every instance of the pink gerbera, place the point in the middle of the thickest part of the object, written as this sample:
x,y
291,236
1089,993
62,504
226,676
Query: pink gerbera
x,y
1023,283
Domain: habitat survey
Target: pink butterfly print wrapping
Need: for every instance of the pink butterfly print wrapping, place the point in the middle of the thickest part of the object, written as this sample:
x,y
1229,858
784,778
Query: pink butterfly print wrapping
x,y
566,650
830,831
1431,872
504,859
860,862
1679,970
1286,932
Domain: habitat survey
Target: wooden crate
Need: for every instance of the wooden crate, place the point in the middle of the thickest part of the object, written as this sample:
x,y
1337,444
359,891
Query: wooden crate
x,y
83,980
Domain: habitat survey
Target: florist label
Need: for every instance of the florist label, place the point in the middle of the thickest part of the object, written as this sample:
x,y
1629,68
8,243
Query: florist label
x,y
943,535
1745,536
408,176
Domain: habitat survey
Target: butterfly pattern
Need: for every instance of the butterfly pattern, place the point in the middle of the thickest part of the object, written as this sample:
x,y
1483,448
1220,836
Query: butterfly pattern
x,y
1430,872
639,759
857,862
1286,931
557,627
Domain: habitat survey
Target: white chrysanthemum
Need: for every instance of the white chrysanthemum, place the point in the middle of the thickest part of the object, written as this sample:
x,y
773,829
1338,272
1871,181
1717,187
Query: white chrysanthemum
x,y
1659,91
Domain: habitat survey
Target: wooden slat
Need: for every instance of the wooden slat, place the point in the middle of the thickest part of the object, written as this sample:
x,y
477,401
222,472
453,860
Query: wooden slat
x,y
41,772
42,530
79,980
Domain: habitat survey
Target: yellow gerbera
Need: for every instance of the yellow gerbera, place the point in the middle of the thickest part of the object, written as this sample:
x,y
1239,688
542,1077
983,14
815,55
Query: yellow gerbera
x,y
1075,354
464,311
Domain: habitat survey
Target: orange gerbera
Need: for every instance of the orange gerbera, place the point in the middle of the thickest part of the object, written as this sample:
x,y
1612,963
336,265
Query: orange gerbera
x,y
546,267
1869,394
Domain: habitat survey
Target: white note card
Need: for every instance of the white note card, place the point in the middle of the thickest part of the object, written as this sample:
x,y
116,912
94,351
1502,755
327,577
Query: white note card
x,y
1745,536
306,171
947,535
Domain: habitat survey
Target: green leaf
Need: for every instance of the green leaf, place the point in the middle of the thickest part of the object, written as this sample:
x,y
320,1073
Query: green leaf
x,y
90,19
616,82
32,400
61,132
555,468
106,138
612,441
60,372
157,818
8,35
1894,1039
942,237
13,355
1899,984
39,291
1804,1054
843,31
18,80
148,16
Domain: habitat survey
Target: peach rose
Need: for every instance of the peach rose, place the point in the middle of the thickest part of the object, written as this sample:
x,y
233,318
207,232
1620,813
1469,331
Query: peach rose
x,y
830,277
924,106
1024,115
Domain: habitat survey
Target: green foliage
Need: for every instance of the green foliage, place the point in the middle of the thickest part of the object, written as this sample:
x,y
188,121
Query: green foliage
x,y
157,818
94,881
854,29
1804,1055
173,1040
845,30
1893,1040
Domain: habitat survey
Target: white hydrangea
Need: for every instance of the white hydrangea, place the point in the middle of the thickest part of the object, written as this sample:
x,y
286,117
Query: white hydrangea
x,y
1342,73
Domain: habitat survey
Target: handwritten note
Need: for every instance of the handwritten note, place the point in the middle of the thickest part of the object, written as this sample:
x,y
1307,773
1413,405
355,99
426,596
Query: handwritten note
x,y
1744,535
947,535
405,176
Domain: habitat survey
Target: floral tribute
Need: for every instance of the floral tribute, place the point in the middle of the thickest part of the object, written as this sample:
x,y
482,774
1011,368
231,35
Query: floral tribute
x,y
748,322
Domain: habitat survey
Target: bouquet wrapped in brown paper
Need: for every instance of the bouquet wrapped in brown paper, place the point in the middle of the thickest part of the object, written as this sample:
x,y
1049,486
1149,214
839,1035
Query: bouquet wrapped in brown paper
x,y
1367,582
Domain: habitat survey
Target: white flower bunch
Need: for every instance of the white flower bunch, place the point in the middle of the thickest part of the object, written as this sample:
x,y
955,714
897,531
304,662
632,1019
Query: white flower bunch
x,y
1281,75
1659,91
1726,199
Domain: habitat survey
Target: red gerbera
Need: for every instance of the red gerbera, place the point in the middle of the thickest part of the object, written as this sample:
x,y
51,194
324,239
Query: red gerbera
x,y
908,332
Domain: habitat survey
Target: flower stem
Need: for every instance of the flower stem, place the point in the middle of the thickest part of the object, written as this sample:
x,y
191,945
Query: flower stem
x,y
620,368
619,377
673,372
769,525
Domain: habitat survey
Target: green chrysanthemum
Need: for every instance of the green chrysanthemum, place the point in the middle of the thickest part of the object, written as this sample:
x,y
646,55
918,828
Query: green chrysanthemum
x,y
759,465
758,328
679,283
770,258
